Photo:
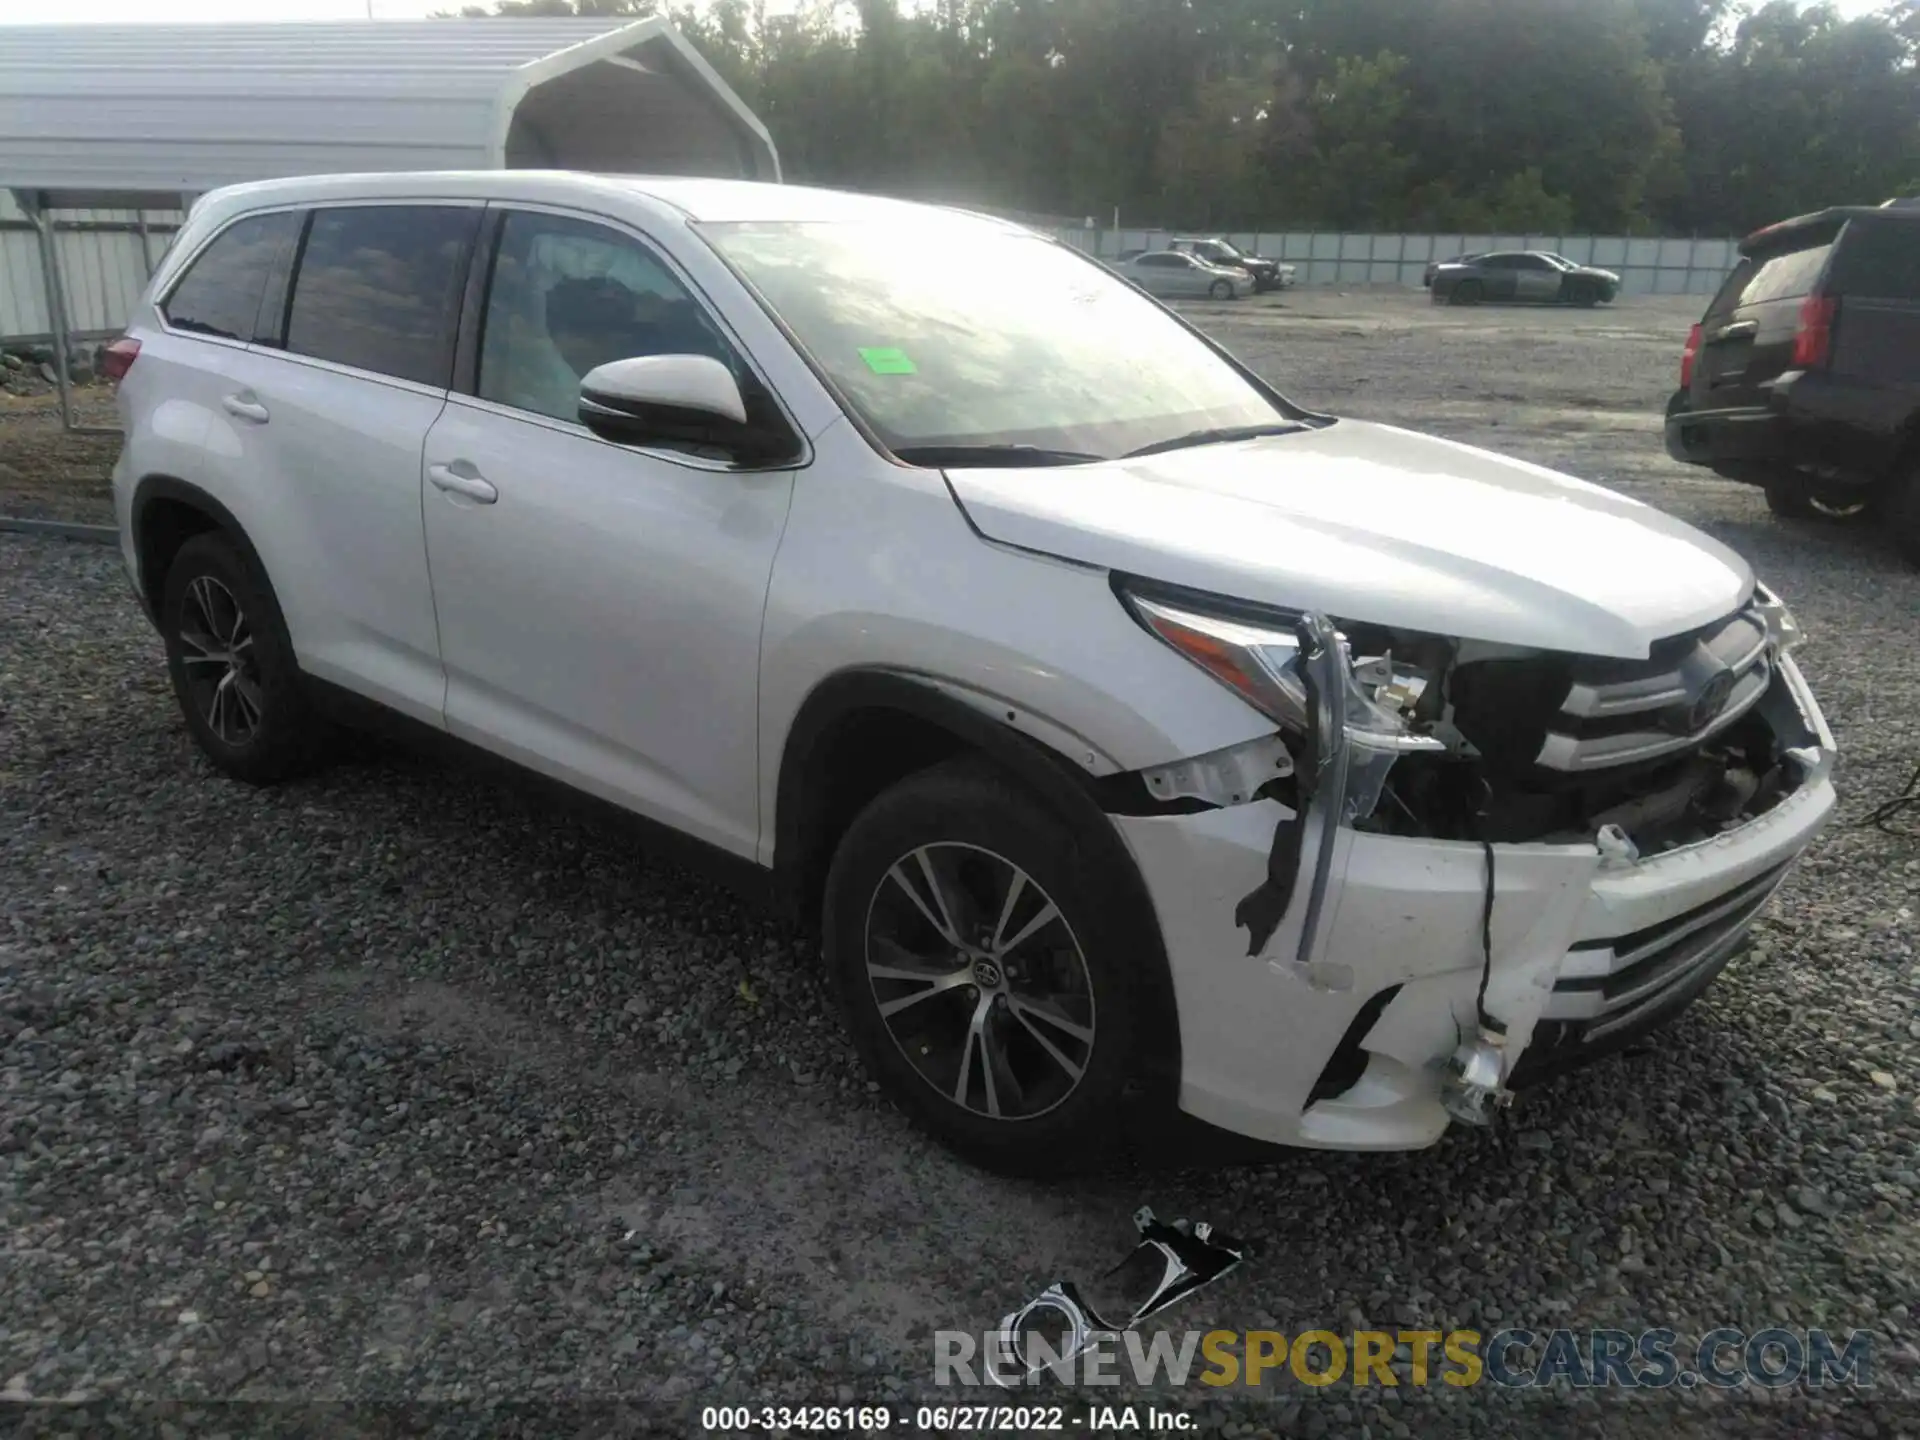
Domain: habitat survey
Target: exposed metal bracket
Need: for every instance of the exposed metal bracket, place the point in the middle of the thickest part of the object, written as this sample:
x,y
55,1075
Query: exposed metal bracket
x,y
1232,776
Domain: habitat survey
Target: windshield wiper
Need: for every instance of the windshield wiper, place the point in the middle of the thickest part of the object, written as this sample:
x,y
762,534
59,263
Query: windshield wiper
x,y
990,456
1216,437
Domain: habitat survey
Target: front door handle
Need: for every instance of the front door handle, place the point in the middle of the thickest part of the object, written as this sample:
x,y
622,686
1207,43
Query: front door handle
x,y
460,478
1739,330
245,407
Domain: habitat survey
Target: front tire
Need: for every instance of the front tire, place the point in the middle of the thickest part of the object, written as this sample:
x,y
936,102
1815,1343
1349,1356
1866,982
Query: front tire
x,y
232,665
1222,290
987,982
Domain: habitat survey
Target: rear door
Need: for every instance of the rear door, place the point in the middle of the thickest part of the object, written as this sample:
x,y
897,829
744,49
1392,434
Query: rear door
x,y
1164,272
1500,275
1746,336
334,412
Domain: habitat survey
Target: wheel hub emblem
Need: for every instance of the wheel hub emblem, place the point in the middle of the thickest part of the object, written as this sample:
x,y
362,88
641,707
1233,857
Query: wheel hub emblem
x,y
986,974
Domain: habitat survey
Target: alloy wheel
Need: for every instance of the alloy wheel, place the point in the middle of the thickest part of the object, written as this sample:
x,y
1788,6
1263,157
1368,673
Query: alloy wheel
x,y
217,654
980,981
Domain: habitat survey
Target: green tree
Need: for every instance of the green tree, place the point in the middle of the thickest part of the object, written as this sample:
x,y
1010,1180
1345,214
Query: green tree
x,y
1542,115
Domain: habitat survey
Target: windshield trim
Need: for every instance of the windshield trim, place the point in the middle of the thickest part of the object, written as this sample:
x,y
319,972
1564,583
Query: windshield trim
x,y
1287,408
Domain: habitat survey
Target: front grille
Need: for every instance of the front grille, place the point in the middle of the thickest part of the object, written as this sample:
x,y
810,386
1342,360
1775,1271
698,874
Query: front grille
x,y
1687,691
1610,985
1560,715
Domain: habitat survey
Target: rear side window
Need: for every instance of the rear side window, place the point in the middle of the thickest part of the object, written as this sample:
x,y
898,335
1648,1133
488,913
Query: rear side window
x,y
379,288
220,292
1880,260
1776,273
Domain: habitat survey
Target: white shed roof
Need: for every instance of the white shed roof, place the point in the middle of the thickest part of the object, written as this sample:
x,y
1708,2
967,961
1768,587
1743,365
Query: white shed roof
x,y
87,110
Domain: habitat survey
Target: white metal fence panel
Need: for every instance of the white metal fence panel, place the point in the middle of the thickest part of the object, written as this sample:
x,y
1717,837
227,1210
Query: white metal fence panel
x,y
105,256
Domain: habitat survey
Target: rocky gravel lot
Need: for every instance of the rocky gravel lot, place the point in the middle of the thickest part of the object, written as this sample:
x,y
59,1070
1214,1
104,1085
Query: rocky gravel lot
x,y
395,1086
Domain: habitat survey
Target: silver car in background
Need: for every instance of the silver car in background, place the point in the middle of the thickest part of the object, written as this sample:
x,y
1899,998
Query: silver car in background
x,y
1174,274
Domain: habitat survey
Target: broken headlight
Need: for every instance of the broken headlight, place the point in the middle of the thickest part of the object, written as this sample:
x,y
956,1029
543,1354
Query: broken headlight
x,y
1271,664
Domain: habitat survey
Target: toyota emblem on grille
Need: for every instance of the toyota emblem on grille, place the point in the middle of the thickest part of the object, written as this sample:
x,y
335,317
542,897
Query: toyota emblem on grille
x,y
1711,700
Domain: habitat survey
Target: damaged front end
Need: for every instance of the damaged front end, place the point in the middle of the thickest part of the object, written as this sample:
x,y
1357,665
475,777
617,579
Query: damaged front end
x,y
1565,768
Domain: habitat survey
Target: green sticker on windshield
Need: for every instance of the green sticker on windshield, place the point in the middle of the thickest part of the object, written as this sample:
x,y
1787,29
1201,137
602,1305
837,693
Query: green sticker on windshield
x,y
888,360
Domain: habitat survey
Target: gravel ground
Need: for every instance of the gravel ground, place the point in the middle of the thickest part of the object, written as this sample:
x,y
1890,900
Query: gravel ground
x,y
47,474
392,1085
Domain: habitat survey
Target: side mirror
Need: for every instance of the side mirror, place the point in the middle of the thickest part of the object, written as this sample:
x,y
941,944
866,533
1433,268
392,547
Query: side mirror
x,y
673,399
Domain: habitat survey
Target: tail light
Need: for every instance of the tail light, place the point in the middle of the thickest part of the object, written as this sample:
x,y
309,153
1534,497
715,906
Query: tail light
x,y
117,359
1813,338
1688,356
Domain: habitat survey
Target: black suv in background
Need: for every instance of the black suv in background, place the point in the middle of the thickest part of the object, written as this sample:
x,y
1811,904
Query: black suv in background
x,y
1804,374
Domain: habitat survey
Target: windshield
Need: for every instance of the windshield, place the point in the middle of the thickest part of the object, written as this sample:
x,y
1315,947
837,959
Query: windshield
x,y
950,332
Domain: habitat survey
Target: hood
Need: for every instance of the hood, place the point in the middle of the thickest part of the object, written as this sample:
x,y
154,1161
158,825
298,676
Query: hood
x,y
1596,272
1369,523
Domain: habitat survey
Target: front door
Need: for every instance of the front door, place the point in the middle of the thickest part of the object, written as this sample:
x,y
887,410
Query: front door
x,y
1537,279
599,605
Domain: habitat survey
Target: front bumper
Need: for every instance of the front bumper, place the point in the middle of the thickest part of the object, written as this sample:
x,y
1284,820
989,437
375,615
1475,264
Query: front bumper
x,y
1585,951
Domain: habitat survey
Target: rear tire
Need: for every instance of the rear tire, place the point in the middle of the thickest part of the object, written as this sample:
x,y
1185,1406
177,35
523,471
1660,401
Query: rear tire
x,y
232,665
1467,292
1794,497
1052,1021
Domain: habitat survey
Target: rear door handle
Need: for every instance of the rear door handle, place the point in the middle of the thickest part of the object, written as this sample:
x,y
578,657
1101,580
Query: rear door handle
x,y
460,478
245,407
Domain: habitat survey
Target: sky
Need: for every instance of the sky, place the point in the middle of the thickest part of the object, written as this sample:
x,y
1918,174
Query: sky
x,y
136,11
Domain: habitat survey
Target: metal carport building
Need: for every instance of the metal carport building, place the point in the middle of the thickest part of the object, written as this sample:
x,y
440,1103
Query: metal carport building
x,y
109,133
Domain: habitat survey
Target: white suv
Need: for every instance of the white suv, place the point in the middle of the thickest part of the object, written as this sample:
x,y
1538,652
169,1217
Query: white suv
x,y
1142,744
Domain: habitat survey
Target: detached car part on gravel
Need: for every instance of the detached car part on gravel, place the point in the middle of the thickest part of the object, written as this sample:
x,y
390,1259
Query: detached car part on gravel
x,y
1142,744
1059,1325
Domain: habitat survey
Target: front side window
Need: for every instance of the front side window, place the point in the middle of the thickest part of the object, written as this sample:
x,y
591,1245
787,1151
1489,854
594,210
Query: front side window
x,y
945,331
220,292
568,296
379,288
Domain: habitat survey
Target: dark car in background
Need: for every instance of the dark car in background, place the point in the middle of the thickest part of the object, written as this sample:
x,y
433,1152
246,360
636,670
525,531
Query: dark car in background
x,y
1803,376
1433,266
1267,274
1525,276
